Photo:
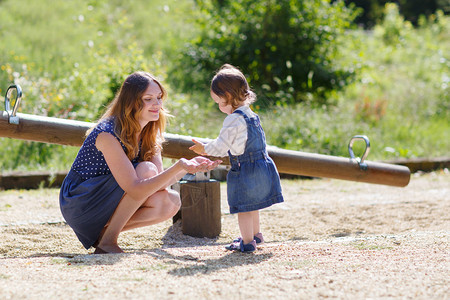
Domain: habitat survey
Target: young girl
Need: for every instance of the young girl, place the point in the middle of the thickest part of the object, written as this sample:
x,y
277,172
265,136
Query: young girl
x,y
117,181
253,181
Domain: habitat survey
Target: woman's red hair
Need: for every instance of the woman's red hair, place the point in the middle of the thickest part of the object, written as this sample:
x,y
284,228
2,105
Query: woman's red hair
x,y
126,108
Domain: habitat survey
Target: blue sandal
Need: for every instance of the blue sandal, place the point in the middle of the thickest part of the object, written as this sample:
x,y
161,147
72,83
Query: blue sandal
x,y
247,248
257,237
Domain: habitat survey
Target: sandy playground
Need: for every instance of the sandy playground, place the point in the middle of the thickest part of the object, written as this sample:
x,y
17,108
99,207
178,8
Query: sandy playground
x,y
330,239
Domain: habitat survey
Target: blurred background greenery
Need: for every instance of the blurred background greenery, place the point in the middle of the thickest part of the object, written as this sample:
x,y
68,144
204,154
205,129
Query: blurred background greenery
x,y
323,71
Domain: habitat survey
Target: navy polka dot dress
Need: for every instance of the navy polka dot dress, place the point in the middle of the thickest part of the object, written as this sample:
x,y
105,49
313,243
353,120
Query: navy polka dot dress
x,y
90,194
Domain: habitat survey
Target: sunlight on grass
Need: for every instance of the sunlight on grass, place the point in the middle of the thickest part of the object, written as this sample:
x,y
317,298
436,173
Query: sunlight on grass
x,y
70,60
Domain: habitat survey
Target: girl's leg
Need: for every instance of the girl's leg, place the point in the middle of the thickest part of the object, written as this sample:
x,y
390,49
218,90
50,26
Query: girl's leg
x,y
256,227
245,221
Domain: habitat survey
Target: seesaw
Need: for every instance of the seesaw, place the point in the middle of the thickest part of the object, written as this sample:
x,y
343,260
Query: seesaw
x,y
200,211
71,132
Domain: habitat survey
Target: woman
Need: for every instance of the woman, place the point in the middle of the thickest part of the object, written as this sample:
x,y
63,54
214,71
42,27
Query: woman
x,y
117,181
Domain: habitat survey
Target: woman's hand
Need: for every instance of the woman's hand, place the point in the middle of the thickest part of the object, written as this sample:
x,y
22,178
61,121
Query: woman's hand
x,y
210,163
198,147
198,164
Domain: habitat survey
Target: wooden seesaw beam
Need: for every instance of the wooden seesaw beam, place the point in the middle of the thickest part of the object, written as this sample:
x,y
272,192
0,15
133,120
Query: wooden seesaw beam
x,y
72,133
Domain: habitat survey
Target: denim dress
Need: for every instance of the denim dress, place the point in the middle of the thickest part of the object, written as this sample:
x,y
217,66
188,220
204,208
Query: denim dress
x,y
90,194
253,181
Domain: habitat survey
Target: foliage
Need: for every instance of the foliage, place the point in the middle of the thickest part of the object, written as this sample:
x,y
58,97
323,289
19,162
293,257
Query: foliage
x,y
412,10
286,48
400,98
21,155
71,56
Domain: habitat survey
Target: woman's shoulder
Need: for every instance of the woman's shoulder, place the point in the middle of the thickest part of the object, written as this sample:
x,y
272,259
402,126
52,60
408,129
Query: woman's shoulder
x,y
105,125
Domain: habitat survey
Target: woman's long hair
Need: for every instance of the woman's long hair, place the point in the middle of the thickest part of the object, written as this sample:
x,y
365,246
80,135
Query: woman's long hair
x,y
126,109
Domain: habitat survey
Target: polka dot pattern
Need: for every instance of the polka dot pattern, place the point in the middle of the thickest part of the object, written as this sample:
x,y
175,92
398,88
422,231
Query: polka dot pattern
x,y
90,162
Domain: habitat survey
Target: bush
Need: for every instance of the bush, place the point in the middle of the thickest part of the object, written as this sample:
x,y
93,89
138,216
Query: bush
x,y
399,94
286,48
399,98
412,10
70,59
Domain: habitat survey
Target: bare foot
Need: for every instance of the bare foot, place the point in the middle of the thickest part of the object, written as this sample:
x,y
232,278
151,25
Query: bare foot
x,y
105,249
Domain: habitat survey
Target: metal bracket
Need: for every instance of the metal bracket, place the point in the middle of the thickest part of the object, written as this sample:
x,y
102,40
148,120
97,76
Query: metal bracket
x,y
12,118
360,161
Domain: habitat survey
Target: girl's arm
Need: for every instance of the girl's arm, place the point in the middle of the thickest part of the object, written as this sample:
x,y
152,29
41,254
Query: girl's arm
x,y
198,147
232,136
125,174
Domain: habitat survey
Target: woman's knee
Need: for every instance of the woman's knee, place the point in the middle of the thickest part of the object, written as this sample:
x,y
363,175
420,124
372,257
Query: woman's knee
x,y
174,197
171,204
146,169
166,202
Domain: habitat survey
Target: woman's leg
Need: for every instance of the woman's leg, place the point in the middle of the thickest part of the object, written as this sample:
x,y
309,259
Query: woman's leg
x,y
126,208
159,207
132,213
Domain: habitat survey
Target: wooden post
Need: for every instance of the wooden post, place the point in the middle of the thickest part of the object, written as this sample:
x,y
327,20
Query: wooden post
x,y
69,132
200,208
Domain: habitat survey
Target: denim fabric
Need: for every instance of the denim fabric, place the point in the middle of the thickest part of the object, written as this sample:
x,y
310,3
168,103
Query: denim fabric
x,y
253,181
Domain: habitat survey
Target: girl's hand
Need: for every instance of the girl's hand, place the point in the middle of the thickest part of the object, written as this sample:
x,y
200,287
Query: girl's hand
x,y
198,148
198,164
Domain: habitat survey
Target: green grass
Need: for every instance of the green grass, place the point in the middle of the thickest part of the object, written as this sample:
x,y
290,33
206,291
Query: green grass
x,y
399,99
71,57
59,261
367,246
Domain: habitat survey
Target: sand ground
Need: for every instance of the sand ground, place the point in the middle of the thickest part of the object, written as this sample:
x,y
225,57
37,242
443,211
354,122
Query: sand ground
x,y
329,239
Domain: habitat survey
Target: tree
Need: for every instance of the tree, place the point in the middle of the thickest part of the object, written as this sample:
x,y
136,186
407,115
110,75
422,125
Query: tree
x,y
284,47
411,10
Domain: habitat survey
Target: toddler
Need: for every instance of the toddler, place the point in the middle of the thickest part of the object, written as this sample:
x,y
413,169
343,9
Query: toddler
x,y
253,182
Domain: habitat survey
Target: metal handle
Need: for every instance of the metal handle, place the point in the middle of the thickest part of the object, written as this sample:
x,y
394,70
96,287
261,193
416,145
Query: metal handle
x,y
360,161
13,119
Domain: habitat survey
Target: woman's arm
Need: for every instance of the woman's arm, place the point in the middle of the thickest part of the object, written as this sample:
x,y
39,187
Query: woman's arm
x,y
157,161
125,174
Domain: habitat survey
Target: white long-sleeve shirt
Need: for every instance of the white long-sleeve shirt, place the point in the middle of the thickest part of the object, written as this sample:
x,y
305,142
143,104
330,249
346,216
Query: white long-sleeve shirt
x,y
232,136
